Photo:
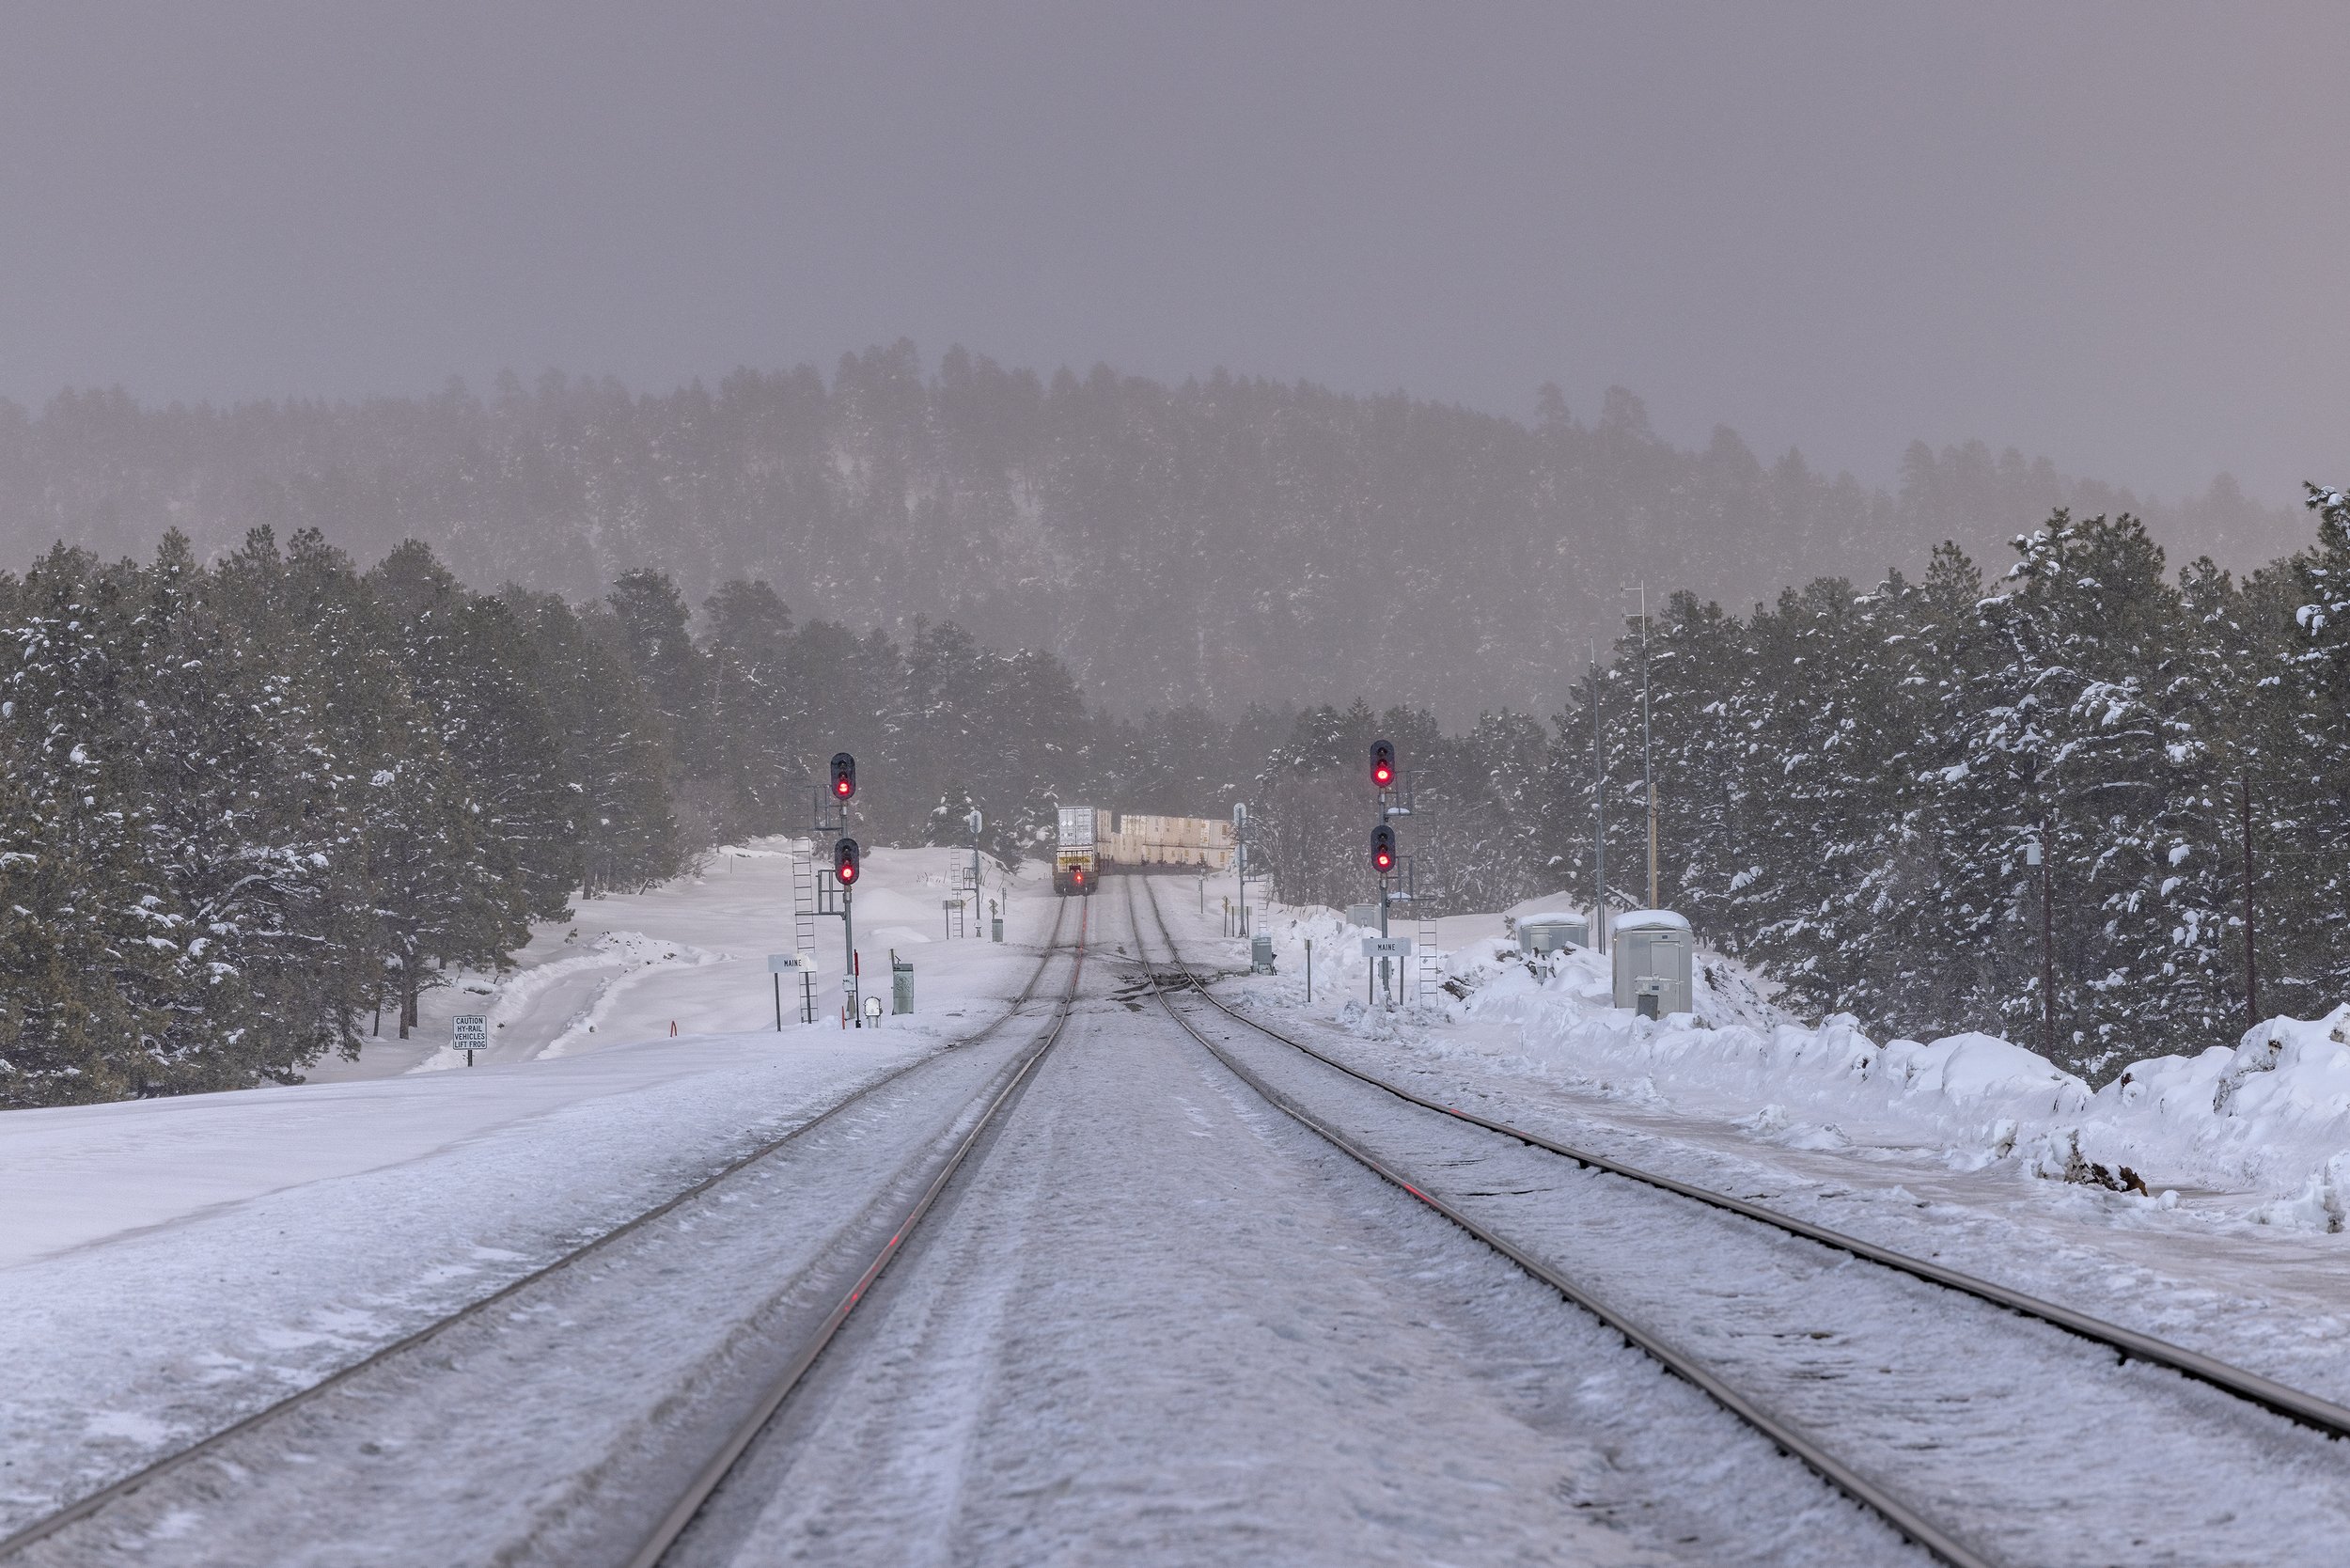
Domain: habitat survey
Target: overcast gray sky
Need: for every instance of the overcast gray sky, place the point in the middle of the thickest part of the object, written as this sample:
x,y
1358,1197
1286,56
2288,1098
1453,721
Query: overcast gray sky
x,y
2113,233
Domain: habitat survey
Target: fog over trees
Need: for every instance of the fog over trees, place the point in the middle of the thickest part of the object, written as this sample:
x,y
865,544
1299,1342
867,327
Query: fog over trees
x,y
1211,545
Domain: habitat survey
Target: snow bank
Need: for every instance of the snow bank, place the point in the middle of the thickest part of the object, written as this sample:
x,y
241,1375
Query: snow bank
x,y
2269,1117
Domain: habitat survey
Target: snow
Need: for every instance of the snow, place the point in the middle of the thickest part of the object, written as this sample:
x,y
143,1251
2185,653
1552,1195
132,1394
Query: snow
x,y
170,1263
1165,1324
1159,1322
1650,920
2264,1118
692,951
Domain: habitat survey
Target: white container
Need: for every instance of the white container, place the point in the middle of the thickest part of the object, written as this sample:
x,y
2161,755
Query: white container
x,y
1653,946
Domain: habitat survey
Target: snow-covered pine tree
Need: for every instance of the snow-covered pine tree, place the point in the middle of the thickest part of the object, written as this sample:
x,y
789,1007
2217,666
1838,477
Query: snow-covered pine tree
x,y
468,661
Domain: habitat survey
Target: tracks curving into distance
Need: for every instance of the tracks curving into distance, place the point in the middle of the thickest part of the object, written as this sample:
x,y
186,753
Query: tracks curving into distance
x,y
95,1502
2128,1344
713,1473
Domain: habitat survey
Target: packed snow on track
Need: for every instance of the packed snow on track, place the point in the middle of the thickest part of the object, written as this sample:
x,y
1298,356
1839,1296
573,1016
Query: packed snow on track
x,y
172,1264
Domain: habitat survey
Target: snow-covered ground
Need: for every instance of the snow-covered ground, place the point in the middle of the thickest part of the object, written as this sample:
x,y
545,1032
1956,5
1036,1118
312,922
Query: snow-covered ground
x,y
1164,1325
1961,1148
690,952
1097,1349
170,1263
2261,1122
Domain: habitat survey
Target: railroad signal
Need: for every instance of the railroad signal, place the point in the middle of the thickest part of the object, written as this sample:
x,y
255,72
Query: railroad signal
x,y
844,861
1383,763
843,776
1382,849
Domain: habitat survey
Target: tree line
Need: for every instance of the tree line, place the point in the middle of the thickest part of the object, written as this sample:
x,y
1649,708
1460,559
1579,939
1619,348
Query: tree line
x,y
252,808
2089,803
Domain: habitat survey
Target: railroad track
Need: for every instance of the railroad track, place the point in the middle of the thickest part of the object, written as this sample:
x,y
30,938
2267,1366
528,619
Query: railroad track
x,y
95,1504
713,1473
1907,1517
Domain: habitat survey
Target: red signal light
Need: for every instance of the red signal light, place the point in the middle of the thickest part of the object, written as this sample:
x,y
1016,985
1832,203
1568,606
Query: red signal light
x,y
845,861
1382,849
1382,763
843,776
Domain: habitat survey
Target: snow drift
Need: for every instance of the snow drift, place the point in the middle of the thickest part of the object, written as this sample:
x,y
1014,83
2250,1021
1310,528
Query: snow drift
x,y
2268,1117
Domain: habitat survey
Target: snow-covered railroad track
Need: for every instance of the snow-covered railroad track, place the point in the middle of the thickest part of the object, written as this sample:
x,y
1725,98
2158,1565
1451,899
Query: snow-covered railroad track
x,y
1982,1436
207,1502
713,1472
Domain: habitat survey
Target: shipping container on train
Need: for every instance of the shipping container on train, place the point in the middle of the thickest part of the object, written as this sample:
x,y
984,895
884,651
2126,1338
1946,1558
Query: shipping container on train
x,y
1095,841
1075,866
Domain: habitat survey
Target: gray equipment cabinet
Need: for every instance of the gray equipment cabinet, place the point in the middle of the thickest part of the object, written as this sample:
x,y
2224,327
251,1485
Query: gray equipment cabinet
x,y
1553,932
900,984
1654,963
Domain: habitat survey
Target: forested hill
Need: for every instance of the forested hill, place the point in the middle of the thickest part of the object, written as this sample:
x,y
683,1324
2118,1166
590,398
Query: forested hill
x,y
1213,544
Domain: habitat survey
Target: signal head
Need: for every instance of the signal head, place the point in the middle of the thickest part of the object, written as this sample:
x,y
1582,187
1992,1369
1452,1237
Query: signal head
x,y
845,860
843,776
1382,849
1383,763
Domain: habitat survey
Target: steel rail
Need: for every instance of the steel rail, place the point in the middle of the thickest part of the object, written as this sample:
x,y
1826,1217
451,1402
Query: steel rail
x,y
2280,1398
1906,1520
84,1507
713,1473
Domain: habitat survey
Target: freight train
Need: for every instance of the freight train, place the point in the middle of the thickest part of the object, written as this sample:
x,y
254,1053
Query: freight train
x,y
1094,842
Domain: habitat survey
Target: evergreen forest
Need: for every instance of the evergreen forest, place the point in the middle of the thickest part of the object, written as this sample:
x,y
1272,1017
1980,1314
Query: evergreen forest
x,y
2086,802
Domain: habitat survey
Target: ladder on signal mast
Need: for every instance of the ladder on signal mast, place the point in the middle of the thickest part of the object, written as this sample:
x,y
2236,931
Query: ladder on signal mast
x,y
1429,994
804,924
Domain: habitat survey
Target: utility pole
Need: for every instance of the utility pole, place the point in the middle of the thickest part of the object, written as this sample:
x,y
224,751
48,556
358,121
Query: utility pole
x,y
2251,966
1599,812
2036,854
1240,859
1648,760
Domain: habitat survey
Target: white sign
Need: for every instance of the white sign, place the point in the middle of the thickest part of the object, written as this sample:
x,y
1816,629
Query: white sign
x,y
782,964
470,1031
1386,947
